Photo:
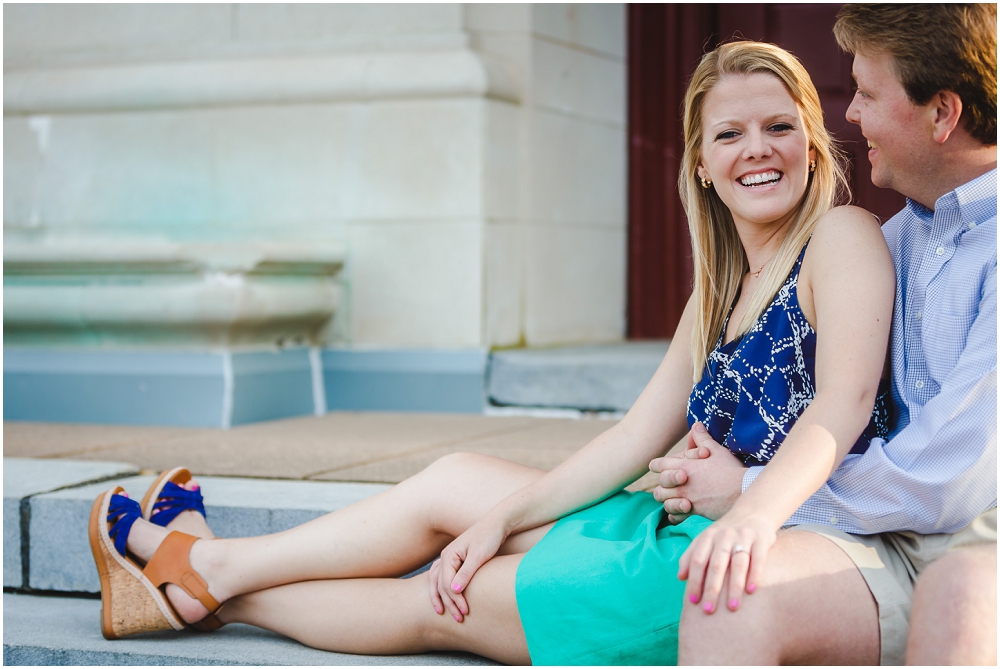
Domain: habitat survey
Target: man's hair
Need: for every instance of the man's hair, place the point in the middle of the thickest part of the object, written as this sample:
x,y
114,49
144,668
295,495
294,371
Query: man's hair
x,y
935,47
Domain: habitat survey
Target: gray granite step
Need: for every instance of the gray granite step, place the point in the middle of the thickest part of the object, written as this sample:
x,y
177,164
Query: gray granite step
x,y
606,377
58,552
66,631
25,478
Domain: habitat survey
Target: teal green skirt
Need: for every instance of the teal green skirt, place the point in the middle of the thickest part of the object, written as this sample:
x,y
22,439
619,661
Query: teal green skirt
x,y
601,587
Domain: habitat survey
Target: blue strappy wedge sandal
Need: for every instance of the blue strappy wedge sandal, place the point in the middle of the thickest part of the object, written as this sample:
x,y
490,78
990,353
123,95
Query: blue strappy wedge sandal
x,y
131,599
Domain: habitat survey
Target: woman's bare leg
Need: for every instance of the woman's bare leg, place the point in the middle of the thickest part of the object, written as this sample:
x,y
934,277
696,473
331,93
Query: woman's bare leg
x,y
387,535
391,616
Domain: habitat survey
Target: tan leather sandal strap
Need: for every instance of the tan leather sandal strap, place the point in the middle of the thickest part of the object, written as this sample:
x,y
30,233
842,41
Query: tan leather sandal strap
x,y
209,623
170,564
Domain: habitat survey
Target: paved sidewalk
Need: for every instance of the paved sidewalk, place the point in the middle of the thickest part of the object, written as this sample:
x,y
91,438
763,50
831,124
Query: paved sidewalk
x,y
341,446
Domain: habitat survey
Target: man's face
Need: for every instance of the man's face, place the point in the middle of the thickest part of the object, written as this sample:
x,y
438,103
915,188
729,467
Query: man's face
x,y
897,130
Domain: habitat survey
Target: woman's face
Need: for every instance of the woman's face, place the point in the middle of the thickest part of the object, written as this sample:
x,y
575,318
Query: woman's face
x,y
754,148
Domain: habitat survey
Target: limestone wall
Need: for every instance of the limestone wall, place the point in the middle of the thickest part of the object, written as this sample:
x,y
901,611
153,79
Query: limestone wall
x,y
438,176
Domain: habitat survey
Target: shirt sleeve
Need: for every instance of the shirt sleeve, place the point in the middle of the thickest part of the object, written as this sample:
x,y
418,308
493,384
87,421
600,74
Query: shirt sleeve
x,y
940,471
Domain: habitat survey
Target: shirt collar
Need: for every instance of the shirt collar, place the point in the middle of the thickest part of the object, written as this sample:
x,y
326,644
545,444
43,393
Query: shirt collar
x,y
920,212
977,199
980,192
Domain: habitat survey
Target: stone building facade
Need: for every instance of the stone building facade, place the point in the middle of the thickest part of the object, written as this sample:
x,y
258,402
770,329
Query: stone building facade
x,y
288,201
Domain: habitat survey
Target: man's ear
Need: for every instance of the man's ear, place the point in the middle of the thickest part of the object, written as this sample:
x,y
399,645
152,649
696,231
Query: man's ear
x,y
946,110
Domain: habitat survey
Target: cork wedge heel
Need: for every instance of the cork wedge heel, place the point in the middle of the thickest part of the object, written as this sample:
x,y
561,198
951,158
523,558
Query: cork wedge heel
x,y
130,602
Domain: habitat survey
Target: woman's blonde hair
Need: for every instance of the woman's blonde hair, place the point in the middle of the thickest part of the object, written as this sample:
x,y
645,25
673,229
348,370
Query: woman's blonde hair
x,y
719,259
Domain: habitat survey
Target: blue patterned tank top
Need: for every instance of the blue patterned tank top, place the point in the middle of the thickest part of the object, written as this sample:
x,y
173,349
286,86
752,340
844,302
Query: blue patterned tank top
x,y
755,387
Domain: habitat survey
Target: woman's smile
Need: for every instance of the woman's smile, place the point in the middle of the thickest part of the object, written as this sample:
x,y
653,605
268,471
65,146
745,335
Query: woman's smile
x,y
754,148
760,180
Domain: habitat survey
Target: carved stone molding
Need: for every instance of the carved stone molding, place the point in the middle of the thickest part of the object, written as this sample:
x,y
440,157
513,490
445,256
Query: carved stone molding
x,y
89,293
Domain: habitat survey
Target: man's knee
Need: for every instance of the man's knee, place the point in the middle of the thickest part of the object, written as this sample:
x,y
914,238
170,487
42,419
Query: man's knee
x,y
967,576
963,573
954,614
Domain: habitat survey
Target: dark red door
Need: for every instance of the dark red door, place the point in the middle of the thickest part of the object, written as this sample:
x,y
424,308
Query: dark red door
x,y
665,43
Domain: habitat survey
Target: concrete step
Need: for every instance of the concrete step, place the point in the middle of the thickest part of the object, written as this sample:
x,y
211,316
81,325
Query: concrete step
x,y
45,533
602,378
25,478
66,631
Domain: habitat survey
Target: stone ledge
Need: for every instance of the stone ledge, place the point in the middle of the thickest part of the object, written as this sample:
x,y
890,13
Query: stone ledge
x,y
162,387
405,380
70,291
65,631
246,81
75,256
606,377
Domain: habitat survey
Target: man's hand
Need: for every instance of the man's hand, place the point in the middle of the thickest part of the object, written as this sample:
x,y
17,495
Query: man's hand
x,y
706,478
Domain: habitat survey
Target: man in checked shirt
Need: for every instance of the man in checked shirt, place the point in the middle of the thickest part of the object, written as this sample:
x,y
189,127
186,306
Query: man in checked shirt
x,y
840,590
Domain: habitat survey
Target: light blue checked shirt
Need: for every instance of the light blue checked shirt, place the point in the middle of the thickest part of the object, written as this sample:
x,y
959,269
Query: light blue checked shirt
x,y
938,471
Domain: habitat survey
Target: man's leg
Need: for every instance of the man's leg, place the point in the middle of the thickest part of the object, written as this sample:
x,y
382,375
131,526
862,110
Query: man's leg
x,y
954,616
813,607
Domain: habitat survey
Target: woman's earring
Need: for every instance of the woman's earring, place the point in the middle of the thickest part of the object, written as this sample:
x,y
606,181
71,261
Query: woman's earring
x,y
706,183
812,165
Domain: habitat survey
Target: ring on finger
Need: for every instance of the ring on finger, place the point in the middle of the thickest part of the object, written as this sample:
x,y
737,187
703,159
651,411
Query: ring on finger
x,y
739,548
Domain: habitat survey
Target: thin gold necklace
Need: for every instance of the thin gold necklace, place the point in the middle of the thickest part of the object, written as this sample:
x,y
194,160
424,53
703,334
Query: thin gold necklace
x,y
756,274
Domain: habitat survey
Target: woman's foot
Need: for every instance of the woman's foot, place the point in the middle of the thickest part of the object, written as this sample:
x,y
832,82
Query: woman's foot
x,y
174,501
143,541
190,521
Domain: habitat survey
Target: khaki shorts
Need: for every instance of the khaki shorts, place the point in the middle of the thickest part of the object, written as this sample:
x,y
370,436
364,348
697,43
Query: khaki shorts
x,y
890,563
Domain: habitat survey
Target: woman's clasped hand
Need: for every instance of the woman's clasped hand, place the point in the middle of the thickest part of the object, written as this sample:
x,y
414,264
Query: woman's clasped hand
x,y
451,573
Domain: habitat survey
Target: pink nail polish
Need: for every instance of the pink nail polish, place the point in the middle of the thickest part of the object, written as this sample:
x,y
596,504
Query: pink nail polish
x,y
751,587
694,599
709,607
734,603
456,587
457,619
195,486
437,610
